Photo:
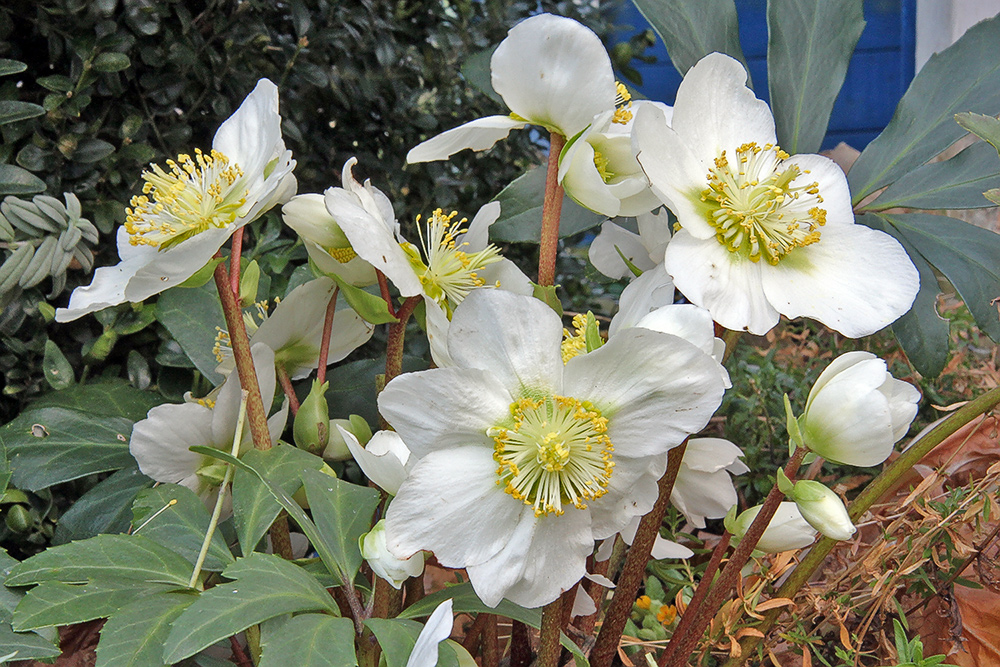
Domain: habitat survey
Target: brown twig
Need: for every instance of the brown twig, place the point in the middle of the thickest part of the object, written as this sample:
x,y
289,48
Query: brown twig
x,y
548,246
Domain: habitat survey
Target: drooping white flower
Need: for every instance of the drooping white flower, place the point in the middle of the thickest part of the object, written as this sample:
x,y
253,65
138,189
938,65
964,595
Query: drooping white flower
x,y
857,411
436,630
786,531
522,461
385,460
704,488
294,330
550,71
763,233
384,564
325,242
651,291
643,250
186,213
160,443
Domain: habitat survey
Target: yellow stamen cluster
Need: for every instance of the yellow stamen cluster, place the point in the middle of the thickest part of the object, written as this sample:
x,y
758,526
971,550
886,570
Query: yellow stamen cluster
x,y
575,343
759,206
223,348
196,194
623,100
447,271
342,255
556,452
603,165
205,402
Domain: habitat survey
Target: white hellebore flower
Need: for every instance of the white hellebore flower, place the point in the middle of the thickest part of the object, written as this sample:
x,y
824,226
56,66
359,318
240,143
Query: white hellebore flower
x,y
160,442
385,460
383,563
857,411
186,213
704,488
325,242
294,330
436,630
786,531
643,250
550,71
762,232
522,461
821,507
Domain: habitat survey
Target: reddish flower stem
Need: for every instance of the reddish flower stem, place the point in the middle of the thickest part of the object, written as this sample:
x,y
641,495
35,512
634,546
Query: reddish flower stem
x,y
548,245
234,261
383,287
548,647
324,346
286,386
397,333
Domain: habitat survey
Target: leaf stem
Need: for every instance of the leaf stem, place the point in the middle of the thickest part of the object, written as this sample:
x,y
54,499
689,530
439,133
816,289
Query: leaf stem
x,y
548,245
217,510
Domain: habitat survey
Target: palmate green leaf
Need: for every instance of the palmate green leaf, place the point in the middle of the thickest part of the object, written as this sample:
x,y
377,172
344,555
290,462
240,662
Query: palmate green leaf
x,y
950,184
191,316
111,398
808,49
134,636
26,645
465,600
956,79
106,508
53,603
17,181
307,640
264,586
254,507
691,29
109,557
968,256
12,111
986,128
397,636
180,526
521,212
52,445
922,332
342,512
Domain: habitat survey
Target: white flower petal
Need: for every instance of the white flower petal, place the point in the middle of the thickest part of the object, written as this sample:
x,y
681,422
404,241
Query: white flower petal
x,y
449,497
650,291
683,320
654,230
553,71
436,630
226,412
506,276
383,460
724,283
787,530
632,491
160,442
832,186
583,183
515,338
477,236
833,281
663,548
583,604
171,267
249,137
478,135
703,488
437,325
604,249
655,389
444,408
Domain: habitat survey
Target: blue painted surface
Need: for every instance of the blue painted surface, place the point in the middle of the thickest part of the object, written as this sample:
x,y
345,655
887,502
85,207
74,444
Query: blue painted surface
x,y
879,73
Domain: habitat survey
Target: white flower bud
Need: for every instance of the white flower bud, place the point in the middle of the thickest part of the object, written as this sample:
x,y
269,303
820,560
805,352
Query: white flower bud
x,y
325,242
384,460
787,530
823,509
857,411
383,563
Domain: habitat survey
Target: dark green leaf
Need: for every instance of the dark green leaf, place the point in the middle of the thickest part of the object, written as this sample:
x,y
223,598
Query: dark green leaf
x,y
53,603
92,150
352,386
265,586
58,372
8,67
106,508
57,83
809,47
465,600
134,637
110,557
397,636
951,184
986,128
371,308
521,211
968,256
9,598
691,29
956,79
12,111
307,640
180,526
343,513
254,508
17,181
111,398
191,316
111,62
53,445
26,644
476,70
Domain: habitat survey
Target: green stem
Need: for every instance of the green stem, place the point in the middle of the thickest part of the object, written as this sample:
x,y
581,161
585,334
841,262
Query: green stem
x,y
548,641
217,511
879,487
606,646
548,245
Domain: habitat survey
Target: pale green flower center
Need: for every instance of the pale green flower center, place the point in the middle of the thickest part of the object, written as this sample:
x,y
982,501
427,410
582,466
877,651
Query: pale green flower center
x,y
195,195
557,452
757,208
446,271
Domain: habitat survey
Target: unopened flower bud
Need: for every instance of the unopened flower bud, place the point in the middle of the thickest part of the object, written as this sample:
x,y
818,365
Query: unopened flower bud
x,y
821,507
311,429
786,531
383,563
336,448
